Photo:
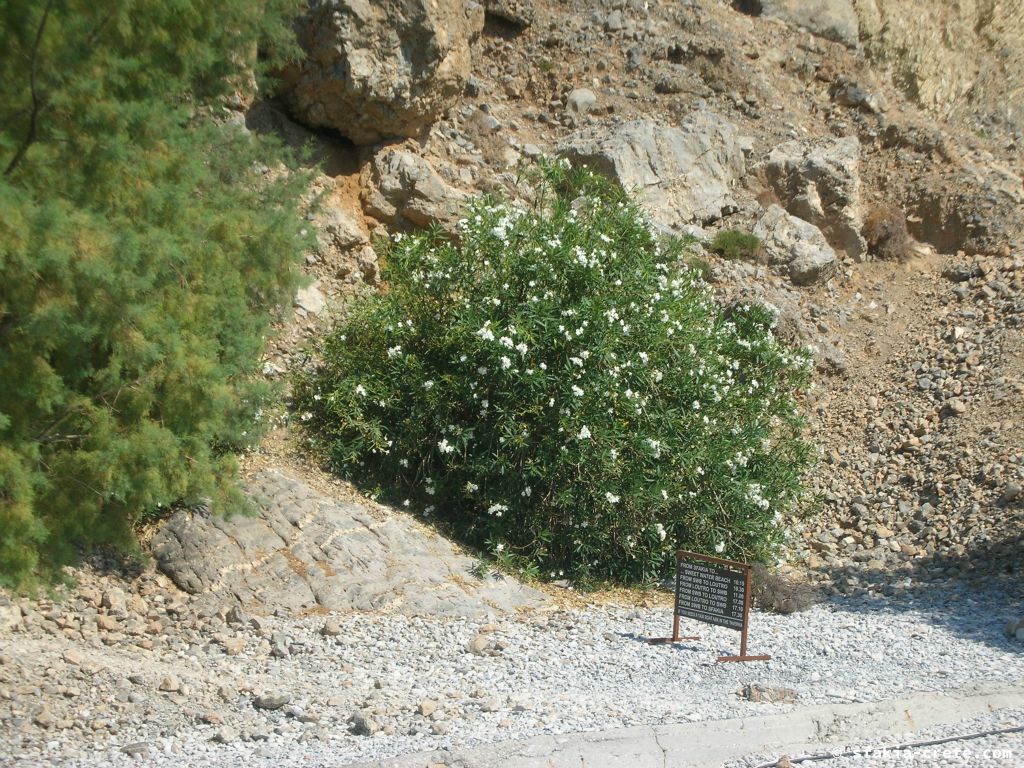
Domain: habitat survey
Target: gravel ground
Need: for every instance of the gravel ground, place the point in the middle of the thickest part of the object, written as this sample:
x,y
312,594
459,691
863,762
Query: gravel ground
x,y
385,685
997,751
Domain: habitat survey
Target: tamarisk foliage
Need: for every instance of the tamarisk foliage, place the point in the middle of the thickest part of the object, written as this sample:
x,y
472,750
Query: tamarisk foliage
x,y
143,248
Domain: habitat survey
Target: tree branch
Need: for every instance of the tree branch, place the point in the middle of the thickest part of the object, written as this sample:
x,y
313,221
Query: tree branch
x,y
37,101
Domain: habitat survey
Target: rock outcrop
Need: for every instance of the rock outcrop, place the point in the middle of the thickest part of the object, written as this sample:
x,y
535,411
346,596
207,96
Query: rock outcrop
x,y
304,551
402,189
963,59
681,174
819,182
377,70
832,19
797,246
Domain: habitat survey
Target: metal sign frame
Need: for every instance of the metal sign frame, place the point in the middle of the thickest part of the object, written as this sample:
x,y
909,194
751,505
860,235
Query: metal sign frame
x,y
745,569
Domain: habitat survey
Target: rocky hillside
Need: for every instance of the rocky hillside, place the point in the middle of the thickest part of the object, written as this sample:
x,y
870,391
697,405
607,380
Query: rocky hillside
x,y
889,207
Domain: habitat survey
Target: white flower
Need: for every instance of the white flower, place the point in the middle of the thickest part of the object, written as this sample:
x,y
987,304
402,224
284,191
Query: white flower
x,y
577,391
505,363
445,447
662,533
720,547
577,361
584,433
664,495
394,351
611,497
521,348
614,454
428,384
499,548
472,487
506,341
360,390
543,366
405,503
486,333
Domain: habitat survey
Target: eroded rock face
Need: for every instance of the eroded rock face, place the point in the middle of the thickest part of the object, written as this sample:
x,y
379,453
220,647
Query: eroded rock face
x,y
819,182
376,69
832,19
798,245
681,174
303,550
403,190
956,59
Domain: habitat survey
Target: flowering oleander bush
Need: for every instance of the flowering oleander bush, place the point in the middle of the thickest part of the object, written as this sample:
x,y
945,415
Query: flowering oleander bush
x,y
559,389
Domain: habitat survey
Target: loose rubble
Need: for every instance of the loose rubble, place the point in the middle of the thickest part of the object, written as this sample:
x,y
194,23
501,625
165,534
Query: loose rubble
x,y
165,689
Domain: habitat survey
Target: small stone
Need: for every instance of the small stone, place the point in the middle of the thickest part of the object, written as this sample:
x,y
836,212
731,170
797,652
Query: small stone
x,y
757,692
232,645
491,705
882,532
44,718
73,656
427,707
170,684
478,645
330,628
310,300
137,749
363,723
106,623
115,601
236,615
439,728
271,701
225,735
580,101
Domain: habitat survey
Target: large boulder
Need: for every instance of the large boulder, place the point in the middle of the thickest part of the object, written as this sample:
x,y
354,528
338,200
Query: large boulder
x,y
819,181
797,246
402,189
379,69
832,19
303,551
682,175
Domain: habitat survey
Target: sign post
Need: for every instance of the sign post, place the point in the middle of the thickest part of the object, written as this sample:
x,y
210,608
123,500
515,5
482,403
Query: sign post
x,y
715,591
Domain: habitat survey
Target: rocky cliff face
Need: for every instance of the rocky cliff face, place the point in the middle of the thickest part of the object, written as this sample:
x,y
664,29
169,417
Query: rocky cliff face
x,y
960,60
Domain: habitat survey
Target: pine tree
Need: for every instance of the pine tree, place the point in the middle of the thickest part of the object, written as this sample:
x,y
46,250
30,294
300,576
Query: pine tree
x,y
143,247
